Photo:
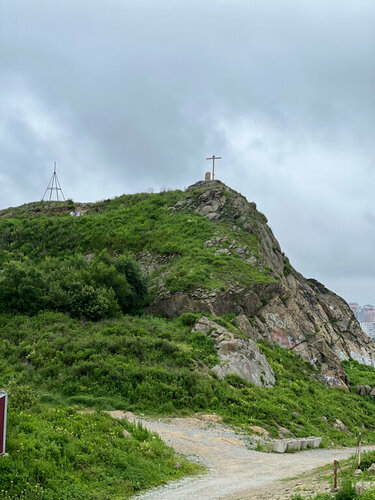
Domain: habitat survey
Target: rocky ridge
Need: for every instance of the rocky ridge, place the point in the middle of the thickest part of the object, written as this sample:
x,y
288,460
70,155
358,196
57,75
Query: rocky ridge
x,y
295,312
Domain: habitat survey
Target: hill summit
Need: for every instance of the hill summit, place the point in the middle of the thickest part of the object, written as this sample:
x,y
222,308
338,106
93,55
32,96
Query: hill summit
x,y
271,299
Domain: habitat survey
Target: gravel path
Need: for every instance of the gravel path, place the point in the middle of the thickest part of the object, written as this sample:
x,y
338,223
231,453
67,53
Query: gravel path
x,y
234,471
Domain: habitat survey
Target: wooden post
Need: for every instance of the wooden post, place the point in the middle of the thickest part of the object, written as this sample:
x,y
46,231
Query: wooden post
x,y
335,475
359,450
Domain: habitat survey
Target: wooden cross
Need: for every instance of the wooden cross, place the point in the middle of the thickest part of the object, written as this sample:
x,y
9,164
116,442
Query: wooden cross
x,y
213,158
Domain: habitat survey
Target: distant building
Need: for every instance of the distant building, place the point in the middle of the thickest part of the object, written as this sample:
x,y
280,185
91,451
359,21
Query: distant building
x,y
369,312
368,328
355,307
366,317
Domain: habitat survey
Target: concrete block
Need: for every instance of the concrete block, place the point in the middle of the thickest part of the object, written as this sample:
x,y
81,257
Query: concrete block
x,y
305,442
293,445
315,441
279,445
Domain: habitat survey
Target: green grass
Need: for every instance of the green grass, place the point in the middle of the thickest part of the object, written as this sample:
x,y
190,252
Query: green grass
x,y
133,224
359,374
58,454
159,367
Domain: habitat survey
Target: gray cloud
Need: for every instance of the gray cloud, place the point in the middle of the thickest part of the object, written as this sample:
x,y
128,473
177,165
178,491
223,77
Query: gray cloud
x,y
131,95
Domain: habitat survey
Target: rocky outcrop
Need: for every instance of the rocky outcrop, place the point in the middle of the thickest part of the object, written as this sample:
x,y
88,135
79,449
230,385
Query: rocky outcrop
x,y
235,299
237,356
292,311
366,390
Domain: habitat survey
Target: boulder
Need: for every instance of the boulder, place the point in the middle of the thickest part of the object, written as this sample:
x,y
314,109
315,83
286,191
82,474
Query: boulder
x,y
361,389
259,430
244,324
293,444
283,432
126,434
315,442
340,426
212,418
279,446
362,486
237,356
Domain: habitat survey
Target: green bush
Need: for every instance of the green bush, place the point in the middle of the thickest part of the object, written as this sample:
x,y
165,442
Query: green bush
x,y
367,459
93,290
22,288
189,319
347,491
21,397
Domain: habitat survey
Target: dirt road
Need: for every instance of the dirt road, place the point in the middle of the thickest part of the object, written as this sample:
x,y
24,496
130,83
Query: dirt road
x,y
234,471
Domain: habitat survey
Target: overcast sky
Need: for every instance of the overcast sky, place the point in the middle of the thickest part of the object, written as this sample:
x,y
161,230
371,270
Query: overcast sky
x,y
131,95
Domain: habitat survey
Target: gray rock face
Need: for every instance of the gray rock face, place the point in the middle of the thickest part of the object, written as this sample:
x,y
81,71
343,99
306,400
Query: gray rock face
x,y
364,390
294,312
238,356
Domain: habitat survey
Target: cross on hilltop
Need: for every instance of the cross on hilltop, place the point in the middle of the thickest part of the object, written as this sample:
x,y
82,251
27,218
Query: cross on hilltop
x,y
213,158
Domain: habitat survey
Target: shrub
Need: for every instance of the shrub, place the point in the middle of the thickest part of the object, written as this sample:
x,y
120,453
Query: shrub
x,y
367,459
21,397
346,492
22,288
92,290
189,319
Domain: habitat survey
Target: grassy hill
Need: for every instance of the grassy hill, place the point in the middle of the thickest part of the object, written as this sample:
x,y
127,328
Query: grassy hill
x,y
74,334
131,224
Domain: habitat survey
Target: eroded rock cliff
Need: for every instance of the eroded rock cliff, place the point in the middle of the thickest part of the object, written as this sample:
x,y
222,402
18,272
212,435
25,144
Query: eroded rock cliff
x,y
295,312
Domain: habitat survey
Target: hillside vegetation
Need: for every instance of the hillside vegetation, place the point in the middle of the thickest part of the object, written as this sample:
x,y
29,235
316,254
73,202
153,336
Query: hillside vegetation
x,y
130,224
56,453
75,334
158,366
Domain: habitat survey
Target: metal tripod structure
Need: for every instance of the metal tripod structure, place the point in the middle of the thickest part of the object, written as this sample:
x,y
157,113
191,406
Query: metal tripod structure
x,y
54,185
